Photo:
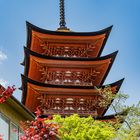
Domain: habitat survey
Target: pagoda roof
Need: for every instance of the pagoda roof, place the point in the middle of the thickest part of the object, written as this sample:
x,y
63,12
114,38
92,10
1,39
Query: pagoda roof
x,y
98,67
33,89
36,34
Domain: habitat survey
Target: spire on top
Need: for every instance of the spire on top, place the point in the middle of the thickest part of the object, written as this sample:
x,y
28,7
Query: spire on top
x,y
62,17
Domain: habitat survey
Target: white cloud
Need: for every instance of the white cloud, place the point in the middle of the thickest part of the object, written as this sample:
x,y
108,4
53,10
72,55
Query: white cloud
x,y
3,82
2,56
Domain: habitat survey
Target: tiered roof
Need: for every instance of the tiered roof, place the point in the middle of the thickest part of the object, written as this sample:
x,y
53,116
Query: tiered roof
x,y
86,98
68,44
62,69
68,71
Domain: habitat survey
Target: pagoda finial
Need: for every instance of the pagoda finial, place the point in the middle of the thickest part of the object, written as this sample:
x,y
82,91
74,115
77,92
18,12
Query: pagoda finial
x,y
62,17
62,14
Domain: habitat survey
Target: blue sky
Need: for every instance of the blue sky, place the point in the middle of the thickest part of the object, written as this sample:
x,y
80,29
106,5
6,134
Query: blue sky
x,y
81,15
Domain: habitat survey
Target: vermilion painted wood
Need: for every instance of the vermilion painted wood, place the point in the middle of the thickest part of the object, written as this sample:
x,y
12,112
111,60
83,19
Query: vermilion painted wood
x,y
62,69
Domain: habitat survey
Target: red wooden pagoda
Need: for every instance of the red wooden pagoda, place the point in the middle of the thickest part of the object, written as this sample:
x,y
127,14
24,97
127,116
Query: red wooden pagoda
x,y
63,69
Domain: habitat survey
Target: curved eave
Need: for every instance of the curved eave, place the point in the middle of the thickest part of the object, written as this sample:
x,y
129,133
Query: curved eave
x,y
31,27
112,100
107,118
26,80
111,117
28,52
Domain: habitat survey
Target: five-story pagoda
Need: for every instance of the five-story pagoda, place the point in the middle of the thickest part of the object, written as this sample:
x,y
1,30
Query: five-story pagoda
x,y
63,68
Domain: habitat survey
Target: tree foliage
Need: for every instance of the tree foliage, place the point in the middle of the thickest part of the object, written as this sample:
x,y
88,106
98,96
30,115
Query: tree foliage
x,y
130,130
76,128
39,130
6,94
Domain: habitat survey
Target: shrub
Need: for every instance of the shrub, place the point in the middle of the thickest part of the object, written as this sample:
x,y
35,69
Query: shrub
x,y
76,128
39,130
